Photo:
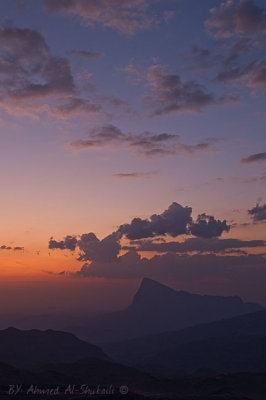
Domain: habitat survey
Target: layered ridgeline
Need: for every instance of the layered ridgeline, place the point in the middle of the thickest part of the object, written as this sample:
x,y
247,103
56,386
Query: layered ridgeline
x,y
34,347
227,346
157,308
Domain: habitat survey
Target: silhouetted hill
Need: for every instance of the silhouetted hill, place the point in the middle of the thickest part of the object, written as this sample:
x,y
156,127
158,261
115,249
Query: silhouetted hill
x,y
25,348
230,345
141,386
157,308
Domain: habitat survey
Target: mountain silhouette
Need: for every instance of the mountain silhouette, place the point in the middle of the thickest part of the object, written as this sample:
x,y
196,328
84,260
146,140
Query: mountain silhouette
x,y
26,348
157,308
230,345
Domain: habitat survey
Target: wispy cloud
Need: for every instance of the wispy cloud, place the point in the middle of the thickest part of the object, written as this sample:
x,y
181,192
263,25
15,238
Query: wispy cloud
x,y
125,16
90,55
254,158
242,17
146,143
135,175
258,213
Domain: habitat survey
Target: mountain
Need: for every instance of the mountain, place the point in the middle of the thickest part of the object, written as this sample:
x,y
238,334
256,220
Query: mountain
x,y
230,345
157,308
27,348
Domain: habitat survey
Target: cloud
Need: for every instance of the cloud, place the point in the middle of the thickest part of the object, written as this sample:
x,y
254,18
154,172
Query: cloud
x,y
125,16
105,250
173,221
33,80
135,175
28,69
146,143
90,55
69,242
25,44
171,266
260,179
172,95
198,244
101,255
199,52
207,226
232,73
214,257
4,247
90,247
258,213
76,105
258,75
254,158
16,248
242,17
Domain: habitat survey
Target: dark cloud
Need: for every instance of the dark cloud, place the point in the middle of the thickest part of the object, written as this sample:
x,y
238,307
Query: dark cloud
x,y
91,55
4,247
173,221
258,157
171,266
201,245
126,16
207,226
171,95
146,143
69,242
105,250
242,17
258,213
16,248
90,247
76,105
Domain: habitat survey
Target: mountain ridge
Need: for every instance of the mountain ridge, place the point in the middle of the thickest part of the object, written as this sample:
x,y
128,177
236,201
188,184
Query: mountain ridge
x,y
157,308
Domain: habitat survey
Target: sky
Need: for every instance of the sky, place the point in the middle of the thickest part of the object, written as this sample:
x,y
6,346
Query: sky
x,y
132,144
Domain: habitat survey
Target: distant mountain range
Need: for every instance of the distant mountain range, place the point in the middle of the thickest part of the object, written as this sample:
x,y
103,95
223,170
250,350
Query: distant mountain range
x,y
157,308
230,345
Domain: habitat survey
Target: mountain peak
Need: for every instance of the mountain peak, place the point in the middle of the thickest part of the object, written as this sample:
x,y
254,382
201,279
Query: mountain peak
x,y
149,286
151,292
148,283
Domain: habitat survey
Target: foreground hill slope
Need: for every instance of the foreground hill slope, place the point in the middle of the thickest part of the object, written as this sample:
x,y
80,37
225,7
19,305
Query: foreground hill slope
x,y
26,348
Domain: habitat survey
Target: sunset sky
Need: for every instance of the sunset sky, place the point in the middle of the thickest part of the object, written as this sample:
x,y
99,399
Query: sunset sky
x,y
139,124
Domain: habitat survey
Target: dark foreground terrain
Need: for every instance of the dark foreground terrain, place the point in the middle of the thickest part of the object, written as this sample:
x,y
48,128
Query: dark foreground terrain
x,y
88,380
